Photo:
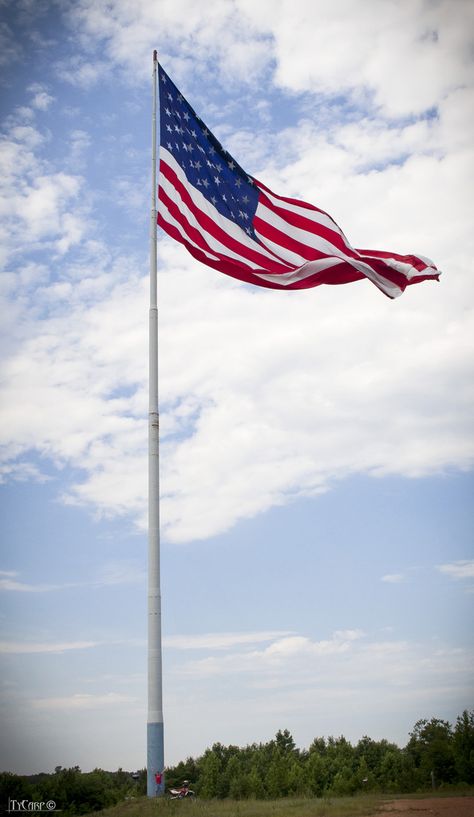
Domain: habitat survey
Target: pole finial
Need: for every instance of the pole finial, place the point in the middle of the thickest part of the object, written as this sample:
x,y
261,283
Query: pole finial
x,y
155,55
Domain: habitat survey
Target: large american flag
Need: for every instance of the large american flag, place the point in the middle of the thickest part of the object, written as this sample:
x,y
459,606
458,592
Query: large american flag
x,y
230,221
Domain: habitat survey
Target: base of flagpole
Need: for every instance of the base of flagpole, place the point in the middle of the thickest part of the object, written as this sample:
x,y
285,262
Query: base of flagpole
x,y
155,760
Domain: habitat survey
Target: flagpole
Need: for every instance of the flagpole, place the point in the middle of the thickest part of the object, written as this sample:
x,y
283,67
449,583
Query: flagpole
x,y
155,736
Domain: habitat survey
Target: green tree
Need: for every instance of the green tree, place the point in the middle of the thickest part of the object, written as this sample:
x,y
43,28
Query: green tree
x,y
463,747
210,770
432,750
255,784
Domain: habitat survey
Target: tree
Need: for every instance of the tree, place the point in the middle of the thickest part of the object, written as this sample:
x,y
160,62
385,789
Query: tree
x,y
463,746
284,742
432,750
210,770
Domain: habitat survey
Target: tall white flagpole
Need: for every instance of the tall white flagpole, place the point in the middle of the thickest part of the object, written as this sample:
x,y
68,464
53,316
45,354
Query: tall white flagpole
x,y
155,736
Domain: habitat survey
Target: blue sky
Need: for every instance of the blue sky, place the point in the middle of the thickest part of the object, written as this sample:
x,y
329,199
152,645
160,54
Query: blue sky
x,y
317,446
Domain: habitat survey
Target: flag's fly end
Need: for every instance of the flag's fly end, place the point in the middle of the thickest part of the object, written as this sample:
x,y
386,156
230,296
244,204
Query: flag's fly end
x,y
231,221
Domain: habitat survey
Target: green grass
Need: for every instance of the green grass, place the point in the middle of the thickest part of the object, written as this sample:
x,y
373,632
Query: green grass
x,y
359,806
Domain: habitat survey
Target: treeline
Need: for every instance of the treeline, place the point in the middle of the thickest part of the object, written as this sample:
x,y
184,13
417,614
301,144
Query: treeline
x,y
72,791
436,754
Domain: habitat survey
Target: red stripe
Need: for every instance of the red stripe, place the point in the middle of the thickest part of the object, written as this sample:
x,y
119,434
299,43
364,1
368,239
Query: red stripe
x,y
415,262
334,237
339,274
297,202
226,265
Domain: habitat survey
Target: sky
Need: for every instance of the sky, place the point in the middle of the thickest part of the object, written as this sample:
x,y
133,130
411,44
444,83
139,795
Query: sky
x,y
316,446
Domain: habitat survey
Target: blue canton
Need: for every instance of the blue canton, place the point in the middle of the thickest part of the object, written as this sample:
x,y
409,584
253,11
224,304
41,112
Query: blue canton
x,y
208,167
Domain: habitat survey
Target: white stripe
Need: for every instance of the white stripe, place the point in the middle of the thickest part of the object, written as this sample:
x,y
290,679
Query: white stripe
x,y
310,240
321,244
314,215
308,269
207,207
287,256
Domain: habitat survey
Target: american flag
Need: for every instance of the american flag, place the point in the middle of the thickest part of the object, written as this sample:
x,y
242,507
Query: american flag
x,y
230,221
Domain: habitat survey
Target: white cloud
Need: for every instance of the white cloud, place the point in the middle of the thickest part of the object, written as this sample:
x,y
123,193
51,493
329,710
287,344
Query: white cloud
x,y
129,35
41,98
462,569
84,701
408,56
36,201
393,578
33,648
336,684
111,574
275,658
10,50
218,641
20,587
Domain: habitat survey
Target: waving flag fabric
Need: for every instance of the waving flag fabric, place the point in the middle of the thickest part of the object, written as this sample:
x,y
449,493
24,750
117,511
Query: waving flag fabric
x,y
230,221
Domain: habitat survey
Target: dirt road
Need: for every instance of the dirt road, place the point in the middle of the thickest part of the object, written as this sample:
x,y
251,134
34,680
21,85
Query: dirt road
x,y
430,807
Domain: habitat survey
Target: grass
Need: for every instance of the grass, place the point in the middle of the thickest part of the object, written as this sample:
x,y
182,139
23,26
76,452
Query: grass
x,y
359,806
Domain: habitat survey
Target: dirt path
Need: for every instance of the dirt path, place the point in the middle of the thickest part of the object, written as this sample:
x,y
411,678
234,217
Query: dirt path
x,y
430,807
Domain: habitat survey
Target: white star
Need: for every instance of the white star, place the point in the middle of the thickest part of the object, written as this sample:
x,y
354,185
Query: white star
x,y
205,183
238,183
217,180
169,128
214,200
197,165
186,116
231,165
245,199
167,112
170,97
163,78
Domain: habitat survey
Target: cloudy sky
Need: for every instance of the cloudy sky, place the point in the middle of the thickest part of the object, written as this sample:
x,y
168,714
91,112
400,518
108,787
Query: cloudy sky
x,y
317,446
